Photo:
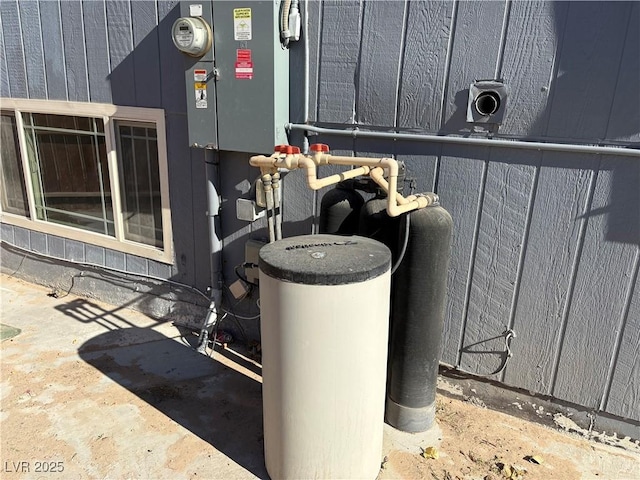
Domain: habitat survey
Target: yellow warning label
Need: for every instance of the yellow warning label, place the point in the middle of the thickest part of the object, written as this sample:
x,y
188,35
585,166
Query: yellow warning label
x,y
201,86
239,13
242,24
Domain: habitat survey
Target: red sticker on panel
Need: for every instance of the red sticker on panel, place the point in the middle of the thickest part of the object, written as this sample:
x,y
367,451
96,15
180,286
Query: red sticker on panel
x,y
244,65
243,55
244,70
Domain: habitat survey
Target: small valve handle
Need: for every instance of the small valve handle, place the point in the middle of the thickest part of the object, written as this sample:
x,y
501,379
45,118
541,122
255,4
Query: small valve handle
x,y
291,150
280,148
319,147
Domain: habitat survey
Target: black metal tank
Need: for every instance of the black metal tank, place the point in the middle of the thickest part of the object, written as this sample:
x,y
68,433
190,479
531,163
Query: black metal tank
x,y
418,301
377,224
340,210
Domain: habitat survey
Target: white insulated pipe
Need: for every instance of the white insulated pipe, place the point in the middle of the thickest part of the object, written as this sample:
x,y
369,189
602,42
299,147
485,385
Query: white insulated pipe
x,y
316,183
374,167
268,193
277,204
377,174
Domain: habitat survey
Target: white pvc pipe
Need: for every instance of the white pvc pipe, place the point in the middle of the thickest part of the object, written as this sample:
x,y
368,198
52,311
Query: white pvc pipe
x,y
268,193
277,202
396,203
315,183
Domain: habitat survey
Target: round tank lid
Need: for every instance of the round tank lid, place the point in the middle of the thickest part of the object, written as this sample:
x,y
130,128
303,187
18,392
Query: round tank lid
x,y
325,259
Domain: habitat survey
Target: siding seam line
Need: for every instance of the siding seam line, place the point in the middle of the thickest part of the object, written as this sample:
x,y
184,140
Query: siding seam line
x,y
622,50
621,328
443,110
132,53
554,70
403,46
523,250
319,69
358,71
106,32
159,98
4,58
574,273
84,49
436,169
472,258
447,63
64,55
44,65
24,57
503,39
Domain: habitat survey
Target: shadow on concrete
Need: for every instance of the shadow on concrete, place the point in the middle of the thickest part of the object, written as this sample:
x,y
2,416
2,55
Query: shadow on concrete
x,y
218,404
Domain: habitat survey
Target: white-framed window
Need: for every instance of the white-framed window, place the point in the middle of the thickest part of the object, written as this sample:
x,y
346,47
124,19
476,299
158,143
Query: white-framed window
x,y
91,172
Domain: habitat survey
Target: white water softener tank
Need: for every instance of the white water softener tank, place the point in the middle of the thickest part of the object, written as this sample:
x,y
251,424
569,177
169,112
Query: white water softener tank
x,y
324,304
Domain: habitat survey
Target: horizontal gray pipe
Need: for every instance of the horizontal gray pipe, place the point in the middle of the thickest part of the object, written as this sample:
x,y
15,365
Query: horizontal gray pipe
x,y
483,142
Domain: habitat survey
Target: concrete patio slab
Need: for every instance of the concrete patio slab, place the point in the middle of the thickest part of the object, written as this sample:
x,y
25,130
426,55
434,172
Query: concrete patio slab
x,y
90,390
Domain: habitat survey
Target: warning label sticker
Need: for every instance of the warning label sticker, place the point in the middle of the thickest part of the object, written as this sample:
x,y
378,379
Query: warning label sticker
x,y
244,65
200,75
242,24
244,70
243,54
201,95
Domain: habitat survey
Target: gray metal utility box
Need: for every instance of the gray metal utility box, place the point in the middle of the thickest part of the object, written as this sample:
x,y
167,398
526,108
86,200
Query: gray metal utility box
x,y
245,78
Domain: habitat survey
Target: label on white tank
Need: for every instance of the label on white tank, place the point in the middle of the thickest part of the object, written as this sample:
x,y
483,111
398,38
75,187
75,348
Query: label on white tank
x,y
242,24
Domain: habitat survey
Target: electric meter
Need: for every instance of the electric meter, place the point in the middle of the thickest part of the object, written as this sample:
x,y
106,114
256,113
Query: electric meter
x,y
192,35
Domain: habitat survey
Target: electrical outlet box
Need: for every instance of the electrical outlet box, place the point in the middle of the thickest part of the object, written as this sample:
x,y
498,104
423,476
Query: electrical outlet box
x,y
238,289
248,211
251,250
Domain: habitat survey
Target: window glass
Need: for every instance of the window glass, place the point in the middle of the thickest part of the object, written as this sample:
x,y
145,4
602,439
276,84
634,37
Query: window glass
x,y
140,183
69,172
66,122
87,172
14,193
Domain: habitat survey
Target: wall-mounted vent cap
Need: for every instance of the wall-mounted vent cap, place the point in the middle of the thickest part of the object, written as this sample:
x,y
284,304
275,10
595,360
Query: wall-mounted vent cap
x,y
487,102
